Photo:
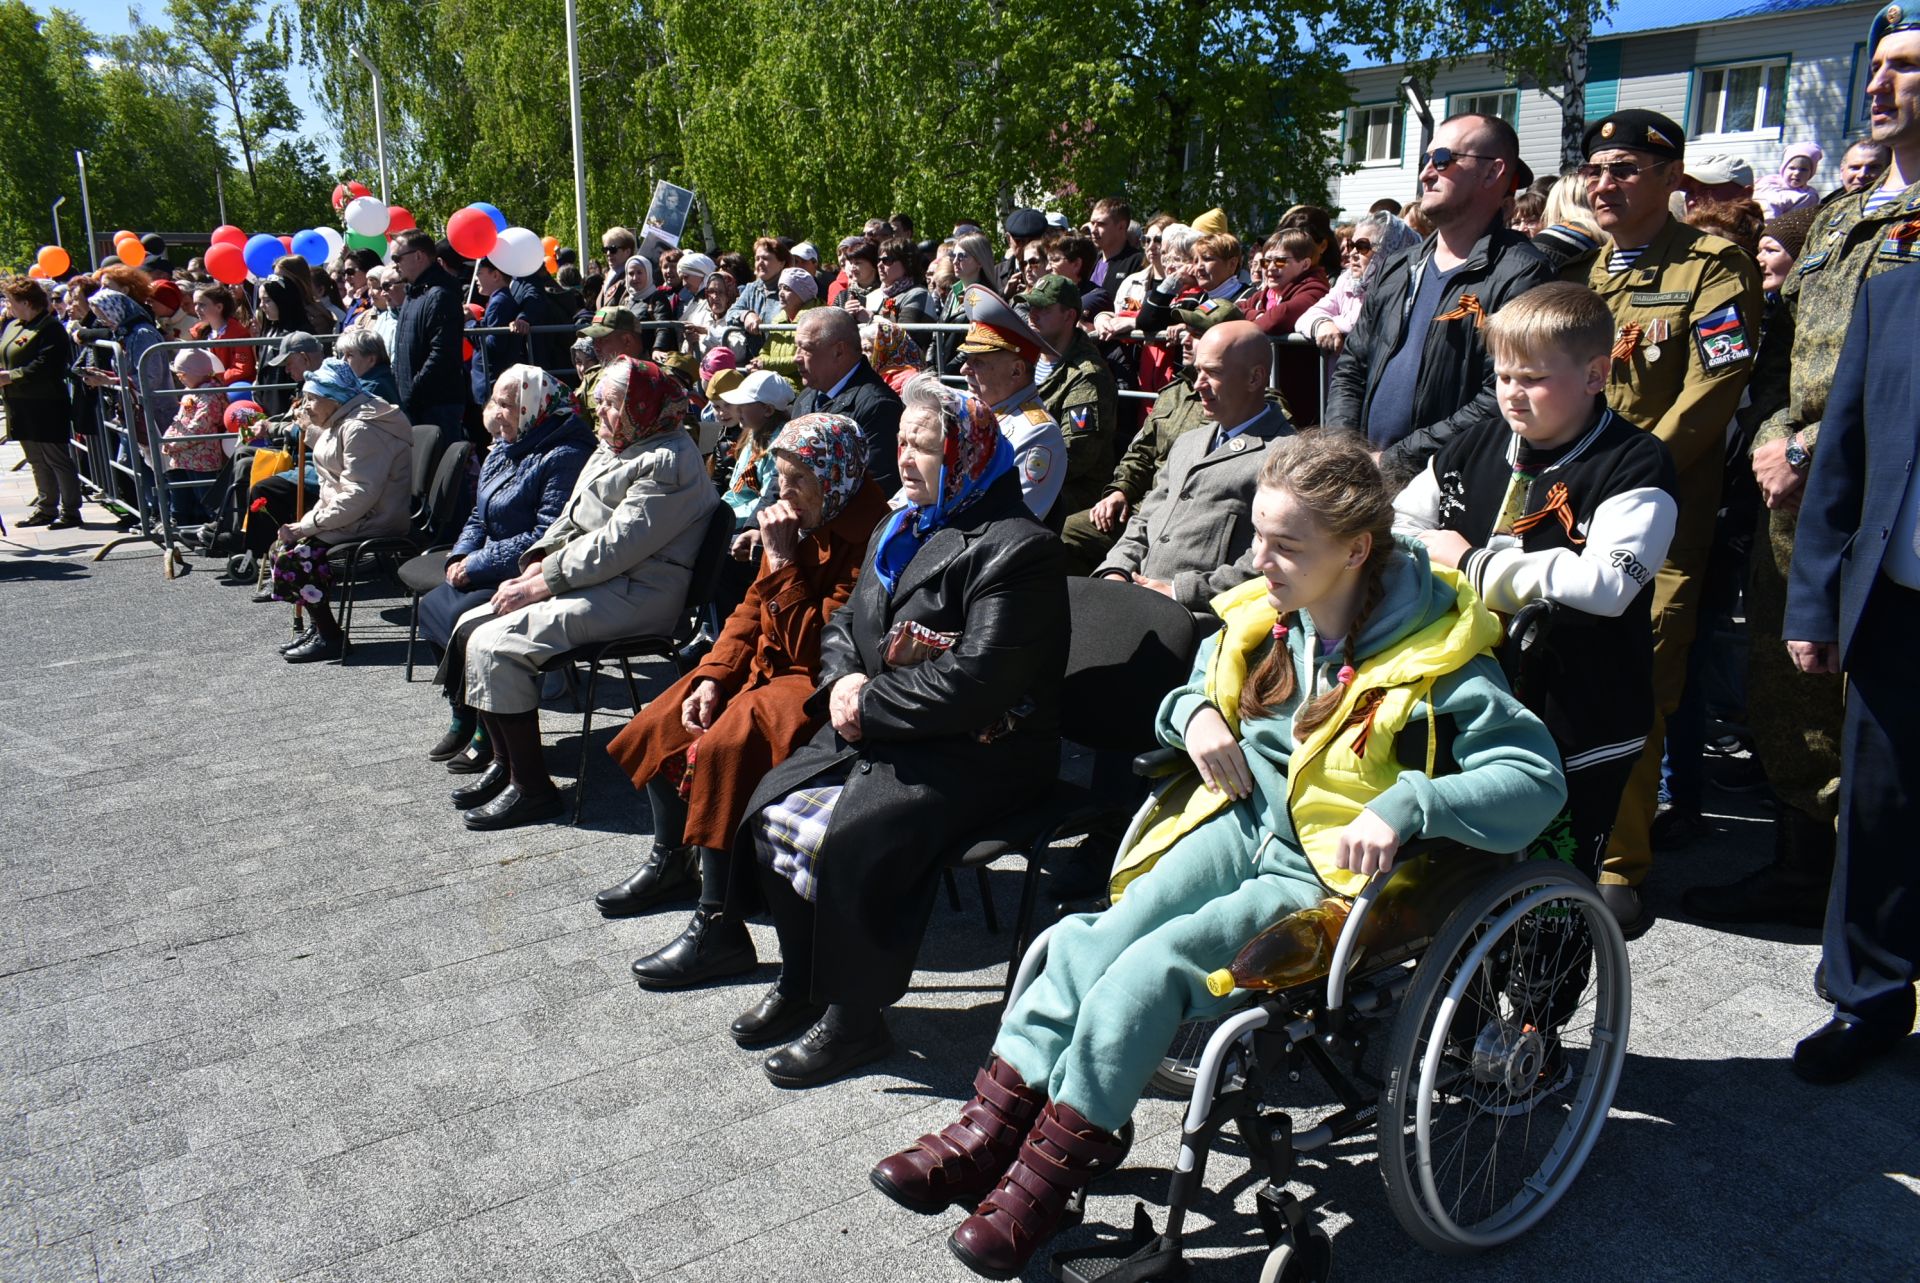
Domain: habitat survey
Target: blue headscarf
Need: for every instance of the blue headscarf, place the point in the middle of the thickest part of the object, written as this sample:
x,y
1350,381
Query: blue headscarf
x,y
975,455
334,380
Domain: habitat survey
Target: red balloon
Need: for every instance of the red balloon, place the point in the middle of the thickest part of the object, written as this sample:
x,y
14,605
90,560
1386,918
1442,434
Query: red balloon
x,y
466,350
339,195
358,189
288,242
226,263
471,233
228,234
399,220
475,311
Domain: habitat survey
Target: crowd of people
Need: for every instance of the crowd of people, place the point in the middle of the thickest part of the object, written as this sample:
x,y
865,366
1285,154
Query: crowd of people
x,y
1649,391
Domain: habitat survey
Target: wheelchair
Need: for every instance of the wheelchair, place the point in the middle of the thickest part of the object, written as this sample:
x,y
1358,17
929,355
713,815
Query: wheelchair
x,y
1501,986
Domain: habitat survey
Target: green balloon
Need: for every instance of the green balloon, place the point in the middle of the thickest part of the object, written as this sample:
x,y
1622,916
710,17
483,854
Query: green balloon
x,y
356,241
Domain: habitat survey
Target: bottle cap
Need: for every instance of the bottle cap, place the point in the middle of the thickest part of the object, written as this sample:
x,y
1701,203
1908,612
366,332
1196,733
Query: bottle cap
x,y
1220,983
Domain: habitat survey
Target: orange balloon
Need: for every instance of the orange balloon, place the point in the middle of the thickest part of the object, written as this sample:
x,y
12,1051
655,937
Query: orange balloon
x,y
550,243
53,260
122,234
37,272
131,251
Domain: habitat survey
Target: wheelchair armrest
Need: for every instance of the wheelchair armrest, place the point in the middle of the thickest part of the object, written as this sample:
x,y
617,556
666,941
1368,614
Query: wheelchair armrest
x,y
1158,763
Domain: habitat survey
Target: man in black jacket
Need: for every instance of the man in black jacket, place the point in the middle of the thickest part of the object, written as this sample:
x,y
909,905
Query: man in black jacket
x,y
1416,370
839,380
426,347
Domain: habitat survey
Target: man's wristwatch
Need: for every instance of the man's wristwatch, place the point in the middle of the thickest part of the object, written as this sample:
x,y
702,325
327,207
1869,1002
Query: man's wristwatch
x,y
1797,455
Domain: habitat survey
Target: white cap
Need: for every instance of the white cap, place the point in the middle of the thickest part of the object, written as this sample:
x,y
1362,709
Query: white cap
x,y
1717,169
1057,220
806,250
762,386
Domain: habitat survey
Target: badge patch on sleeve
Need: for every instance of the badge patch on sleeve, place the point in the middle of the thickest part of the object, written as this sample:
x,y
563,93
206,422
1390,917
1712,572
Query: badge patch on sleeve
x,y
1036,464
1722,337
1077,418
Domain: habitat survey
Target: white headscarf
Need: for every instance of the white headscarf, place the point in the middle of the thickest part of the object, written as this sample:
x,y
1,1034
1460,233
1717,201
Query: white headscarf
x,y
536,393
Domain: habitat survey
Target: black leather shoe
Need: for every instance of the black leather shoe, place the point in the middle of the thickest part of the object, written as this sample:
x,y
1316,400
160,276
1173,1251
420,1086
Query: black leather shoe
x,y
491,783
69,522
1773,895
670,873
832,1047
713,947
474,759
512,809
1624,902
315,649
305,636
458,736
775,1018
1841,1048
1677,826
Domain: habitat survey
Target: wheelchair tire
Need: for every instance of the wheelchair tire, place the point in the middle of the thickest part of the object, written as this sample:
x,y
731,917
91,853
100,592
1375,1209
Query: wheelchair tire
x,y
1504,1059
1175,1074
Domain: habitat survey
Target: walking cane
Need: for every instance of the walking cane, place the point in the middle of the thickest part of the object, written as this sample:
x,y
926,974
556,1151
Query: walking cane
x,y
299,499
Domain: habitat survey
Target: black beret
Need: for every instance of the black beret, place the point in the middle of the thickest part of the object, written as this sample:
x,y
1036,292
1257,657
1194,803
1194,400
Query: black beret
x,y
1026,223
1642,130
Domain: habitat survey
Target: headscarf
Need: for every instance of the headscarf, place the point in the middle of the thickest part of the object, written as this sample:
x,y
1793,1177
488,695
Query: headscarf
x,y
117,309
893,346
695,264
334,380
717,359
537,393
651,401
975,455
1395,236
834,449
801,282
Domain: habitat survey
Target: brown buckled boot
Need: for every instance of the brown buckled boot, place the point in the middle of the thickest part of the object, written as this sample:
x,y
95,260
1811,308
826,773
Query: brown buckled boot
x,y
1060,1156
963,1161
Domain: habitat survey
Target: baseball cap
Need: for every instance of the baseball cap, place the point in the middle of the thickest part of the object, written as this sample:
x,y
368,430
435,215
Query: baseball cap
x,y
762,386
1051,289
1718,168
299,341
724,381
1207,314
1057,221
806,250
612,320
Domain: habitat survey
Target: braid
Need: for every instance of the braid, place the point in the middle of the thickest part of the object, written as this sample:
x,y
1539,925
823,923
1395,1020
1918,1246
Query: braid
x,y
1271,685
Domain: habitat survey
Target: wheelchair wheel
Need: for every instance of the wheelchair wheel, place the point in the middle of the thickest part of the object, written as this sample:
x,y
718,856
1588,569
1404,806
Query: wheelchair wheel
x,y
1175,1075
1504,1059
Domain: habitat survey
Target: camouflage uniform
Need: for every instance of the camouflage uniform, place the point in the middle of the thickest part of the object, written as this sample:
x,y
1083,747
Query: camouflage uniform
x,y
1796,716
1081,395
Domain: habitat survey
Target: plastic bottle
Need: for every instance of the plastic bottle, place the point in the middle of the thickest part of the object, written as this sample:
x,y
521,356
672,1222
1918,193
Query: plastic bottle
x,y
1293,951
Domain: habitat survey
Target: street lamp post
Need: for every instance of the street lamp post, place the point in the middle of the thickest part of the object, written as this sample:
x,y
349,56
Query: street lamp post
x,y
379,122
86,210
579,152
58,201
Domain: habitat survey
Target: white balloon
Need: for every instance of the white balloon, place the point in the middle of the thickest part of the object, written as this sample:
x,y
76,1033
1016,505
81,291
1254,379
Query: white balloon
x,y
518,252
367,216
335,242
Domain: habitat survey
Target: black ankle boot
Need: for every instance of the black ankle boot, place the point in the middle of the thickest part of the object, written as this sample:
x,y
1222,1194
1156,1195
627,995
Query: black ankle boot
x,y
668,874
714,945
512,809
491,784
839,1042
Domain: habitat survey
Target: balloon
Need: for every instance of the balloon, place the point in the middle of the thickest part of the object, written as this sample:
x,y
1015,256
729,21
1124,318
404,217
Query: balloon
x,y
471,232
262,252
340,195
553,265
466,350
240,391
226,264
335,242
357,189
122,235
475,311
516,252
310,245
286,243
131,251
228,234
367,216
378,244
493,213
37,272
550,243
399,220
53,260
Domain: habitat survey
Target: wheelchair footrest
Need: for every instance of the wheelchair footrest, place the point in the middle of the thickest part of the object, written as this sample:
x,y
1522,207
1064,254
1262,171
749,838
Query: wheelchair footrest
x,y
1144,1257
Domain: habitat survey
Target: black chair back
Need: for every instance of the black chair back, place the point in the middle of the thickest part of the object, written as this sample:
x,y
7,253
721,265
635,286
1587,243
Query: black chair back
x,y
447,500
711,557
1130,646
426,438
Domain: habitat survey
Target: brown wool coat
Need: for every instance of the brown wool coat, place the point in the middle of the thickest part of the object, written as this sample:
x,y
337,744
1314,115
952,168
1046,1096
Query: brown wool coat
x,y
766,662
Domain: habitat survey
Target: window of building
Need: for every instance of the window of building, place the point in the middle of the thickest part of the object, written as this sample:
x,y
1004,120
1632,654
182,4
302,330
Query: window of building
x,y
1745,99
1373,134
1503,103
1858,117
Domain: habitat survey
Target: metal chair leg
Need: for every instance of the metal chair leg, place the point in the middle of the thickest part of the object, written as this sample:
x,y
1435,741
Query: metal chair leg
x,y
633,691
346,606
953,889
413,634
987,910
586,733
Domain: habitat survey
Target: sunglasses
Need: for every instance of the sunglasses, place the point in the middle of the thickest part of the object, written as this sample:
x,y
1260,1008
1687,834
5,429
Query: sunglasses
x,y
1621,171
1360,245
1442,158
888,258
960,253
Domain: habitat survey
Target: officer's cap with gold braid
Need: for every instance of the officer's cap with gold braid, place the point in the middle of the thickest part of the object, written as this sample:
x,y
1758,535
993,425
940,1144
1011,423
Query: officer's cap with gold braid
x,y
1639,129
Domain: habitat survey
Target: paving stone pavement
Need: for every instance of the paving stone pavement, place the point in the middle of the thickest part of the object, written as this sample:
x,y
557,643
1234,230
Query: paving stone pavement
x,y
268,1012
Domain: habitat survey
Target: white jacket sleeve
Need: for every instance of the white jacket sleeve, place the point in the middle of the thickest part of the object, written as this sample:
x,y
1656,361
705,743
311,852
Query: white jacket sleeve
x,y
1417,507
1626,545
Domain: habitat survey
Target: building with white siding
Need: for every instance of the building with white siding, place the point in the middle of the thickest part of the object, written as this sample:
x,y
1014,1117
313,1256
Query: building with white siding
x,y
1741,78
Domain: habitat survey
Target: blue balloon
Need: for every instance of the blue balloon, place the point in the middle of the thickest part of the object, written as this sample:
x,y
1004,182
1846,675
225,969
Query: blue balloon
x,y
312,246
240,390
499,219
262,252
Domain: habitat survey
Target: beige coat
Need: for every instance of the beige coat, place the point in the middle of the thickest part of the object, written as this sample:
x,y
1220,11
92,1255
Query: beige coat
x,y
619,559
365,460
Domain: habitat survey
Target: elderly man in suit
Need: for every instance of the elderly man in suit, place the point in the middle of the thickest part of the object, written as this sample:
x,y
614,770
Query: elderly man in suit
x,y
837,379
1192,535
1853,606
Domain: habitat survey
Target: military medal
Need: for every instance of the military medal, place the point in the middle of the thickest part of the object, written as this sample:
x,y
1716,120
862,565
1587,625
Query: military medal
x,y
1656,334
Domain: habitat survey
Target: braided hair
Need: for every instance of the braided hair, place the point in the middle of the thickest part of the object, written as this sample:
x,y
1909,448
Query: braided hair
x,y
1335,479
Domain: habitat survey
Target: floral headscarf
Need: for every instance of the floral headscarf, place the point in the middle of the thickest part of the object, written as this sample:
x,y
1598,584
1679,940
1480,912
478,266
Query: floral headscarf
x,y
334,380
651,401
834,448
537,393
893,347
116,309
975,456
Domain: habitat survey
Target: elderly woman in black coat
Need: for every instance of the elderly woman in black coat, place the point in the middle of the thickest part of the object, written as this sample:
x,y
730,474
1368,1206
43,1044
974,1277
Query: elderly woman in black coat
x,y
940,681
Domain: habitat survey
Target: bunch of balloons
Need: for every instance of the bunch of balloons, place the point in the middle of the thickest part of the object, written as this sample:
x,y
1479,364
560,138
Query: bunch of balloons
x,y
49,263
129,249
481,231
226,258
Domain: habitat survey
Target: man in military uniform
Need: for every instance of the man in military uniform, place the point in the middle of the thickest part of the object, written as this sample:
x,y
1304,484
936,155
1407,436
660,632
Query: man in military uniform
x,y
1000,352
1688,310
1078,389
1796,716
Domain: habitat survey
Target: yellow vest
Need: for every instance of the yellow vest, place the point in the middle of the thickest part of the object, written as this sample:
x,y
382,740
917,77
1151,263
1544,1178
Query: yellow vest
x,y
1338,768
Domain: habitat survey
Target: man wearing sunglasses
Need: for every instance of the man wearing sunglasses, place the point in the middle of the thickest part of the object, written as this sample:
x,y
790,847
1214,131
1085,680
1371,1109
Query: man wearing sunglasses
x,y
1687,307
1416,371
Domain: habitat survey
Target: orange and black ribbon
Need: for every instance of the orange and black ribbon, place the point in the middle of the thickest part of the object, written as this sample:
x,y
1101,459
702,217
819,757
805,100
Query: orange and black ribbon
x,y
1469,306
1362,716
1558,505
1907,231
1629,339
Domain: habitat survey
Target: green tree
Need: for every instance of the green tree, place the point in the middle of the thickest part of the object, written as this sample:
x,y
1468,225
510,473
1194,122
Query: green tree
x,y
216,41
37,137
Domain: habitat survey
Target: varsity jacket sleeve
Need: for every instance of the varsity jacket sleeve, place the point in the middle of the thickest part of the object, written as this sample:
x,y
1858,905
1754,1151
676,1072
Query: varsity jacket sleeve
x,y
1626,545
1417,507
1510,784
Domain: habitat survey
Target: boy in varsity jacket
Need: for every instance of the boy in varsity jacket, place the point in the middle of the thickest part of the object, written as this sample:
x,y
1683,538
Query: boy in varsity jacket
x,y
1567,502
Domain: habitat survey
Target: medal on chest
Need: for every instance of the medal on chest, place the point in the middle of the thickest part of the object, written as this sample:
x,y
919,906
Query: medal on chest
x,y
1658,331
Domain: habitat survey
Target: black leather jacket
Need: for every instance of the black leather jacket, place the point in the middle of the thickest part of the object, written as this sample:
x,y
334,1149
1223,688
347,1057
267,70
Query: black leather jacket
x,y
1455,389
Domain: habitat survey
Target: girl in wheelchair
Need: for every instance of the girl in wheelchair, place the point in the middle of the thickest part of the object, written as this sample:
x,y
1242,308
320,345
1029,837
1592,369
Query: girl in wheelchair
x,y
1289,720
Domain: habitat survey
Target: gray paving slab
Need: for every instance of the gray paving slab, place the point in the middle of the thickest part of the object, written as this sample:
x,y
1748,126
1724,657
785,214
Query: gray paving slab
x,y
267,1012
